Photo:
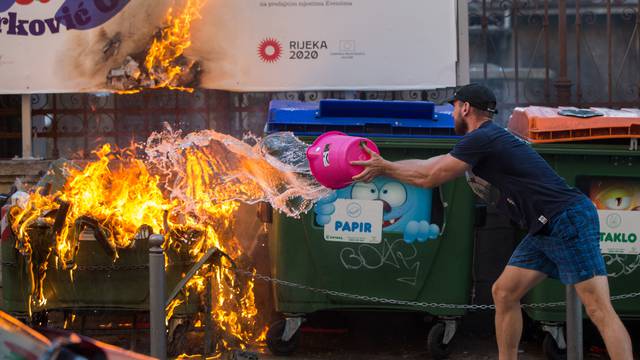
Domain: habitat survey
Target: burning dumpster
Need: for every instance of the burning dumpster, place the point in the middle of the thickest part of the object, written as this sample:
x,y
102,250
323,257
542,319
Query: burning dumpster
x,y
83,244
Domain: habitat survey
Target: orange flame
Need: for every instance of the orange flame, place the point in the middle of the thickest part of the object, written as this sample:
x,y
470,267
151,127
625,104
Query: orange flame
x,y
127,92
173,41
122,194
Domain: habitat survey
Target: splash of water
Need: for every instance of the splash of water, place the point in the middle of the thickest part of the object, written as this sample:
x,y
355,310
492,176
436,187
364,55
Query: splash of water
x,y
211,166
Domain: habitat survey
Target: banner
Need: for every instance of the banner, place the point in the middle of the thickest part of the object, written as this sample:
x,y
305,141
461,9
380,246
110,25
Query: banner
x,y
239,45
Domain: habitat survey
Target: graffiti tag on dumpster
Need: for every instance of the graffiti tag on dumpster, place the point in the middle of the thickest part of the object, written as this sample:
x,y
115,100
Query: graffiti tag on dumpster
x,y
621,265
397,254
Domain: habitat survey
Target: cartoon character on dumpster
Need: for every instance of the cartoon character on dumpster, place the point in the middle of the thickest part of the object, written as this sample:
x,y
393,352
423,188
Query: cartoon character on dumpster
x,y
613,194
406,208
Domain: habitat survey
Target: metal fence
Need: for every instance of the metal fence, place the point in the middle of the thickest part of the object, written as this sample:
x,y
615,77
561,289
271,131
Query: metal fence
x,y
567,52
72,125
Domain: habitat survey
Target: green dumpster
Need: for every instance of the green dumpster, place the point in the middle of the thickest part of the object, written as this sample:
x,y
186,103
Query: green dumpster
x,y
610,176
97,282
322,253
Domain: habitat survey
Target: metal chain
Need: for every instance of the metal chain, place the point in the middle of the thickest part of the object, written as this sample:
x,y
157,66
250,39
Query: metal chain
x,y
375,299
111,267
96,267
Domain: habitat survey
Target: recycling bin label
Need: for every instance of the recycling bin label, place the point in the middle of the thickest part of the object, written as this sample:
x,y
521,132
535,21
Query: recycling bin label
x,y
619,232
355,221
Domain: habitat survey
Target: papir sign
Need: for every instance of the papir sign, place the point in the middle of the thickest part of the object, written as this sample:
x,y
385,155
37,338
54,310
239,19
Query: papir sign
x,y
358,221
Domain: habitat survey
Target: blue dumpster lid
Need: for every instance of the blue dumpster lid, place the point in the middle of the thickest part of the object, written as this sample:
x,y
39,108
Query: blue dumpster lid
x,y
414,119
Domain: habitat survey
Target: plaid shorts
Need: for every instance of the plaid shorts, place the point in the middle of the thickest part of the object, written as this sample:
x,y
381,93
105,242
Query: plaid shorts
x,y
568,248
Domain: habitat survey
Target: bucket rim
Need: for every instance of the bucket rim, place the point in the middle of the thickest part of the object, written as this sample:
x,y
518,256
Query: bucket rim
x,y
329,133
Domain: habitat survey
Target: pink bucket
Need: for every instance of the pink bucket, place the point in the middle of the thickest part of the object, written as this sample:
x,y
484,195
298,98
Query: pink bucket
x,y
330,158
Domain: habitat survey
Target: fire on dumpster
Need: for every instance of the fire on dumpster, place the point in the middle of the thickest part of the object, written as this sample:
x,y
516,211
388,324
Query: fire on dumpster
x,y
163,64
185,187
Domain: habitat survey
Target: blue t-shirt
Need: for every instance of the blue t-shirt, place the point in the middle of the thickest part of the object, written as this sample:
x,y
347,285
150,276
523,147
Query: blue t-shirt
x,y
509,174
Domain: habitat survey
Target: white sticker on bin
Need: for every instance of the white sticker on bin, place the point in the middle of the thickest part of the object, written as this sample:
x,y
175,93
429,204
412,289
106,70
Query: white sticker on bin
x,y
355,221
619,232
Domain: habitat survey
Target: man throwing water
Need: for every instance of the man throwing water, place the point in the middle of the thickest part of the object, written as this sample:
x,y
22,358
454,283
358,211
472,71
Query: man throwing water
x,y
563,237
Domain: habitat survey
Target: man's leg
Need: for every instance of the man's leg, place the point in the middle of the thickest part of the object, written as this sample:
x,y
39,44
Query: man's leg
x,y
594,294
511,286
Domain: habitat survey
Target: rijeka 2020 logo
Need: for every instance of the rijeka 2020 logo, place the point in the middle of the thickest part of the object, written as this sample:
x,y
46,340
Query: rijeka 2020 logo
x,y
270,49
73,14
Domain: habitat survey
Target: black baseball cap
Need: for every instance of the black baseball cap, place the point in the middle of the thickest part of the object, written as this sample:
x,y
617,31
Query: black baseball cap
x,y
478,96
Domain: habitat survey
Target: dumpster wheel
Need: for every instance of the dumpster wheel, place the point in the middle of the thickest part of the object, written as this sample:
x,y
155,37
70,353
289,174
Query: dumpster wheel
x,y
435,342
551,349
276,344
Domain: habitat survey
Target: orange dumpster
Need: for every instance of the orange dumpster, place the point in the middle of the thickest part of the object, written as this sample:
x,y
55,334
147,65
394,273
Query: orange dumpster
x,y
539,124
